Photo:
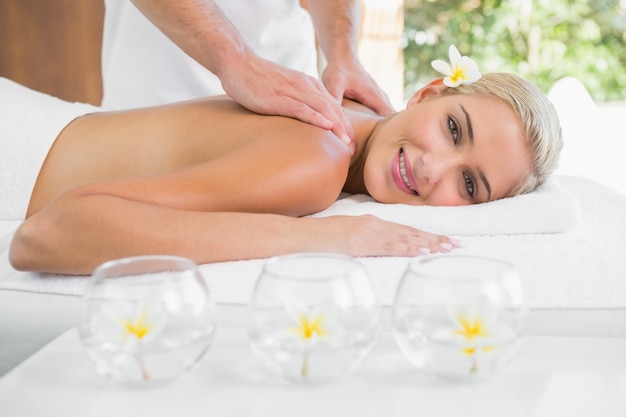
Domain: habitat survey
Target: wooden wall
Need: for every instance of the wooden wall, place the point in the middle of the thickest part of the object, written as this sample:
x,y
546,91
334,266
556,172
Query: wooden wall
x,y
53,46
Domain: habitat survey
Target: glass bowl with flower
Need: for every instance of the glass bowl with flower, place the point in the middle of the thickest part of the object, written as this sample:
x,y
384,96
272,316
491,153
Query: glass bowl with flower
x,y
313,317
459,317
147,319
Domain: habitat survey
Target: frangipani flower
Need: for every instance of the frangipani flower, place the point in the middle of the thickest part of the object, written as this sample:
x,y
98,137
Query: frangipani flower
x,y
311,326
475,330
460,70
129,325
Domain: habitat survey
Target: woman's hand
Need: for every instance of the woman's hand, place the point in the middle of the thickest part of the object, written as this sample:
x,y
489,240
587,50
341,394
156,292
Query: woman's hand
x,y
370,236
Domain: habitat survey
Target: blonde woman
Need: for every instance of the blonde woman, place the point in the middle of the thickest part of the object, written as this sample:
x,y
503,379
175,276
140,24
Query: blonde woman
x,y
212,181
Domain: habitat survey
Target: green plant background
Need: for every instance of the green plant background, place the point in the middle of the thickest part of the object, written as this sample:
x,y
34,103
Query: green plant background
x,y
542,40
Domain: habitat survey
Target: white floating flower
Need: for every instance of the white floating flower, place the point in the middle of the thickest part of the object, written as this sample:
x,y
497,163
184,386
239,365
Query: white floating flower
x,y
310,327
476,331
128,326
460,70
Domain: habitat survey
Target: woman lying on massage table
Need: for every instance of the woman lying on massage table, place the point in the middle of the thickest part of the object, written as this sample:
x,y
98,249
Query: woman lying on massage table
x,y
212,181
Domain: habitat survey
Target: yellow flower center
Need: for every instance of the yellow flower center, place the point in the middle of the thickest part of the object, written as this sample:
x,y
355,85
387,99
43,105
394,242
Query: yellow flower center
x,y
140,328
471,329
457,74
309,327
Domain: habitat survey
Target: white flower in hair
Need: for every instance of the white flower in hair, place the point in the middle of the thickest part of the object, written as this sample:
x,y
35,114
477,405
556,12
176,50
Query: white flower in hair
x,y
460,70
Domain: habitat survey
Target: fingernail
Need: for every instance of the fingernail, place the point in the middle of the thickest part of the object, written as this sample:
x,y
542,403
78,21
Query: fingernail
x,y
456,243
424,251
446,246
346,139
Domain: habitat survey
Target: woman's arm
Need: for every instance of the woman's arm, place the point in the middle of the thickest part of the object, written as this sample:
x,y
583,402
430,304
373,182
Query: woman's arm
x,y
79,231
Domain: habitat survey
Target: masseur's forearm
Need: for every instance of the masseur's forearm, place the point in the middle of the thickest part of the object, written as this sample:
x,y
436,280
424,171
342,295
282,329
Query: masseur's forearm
x,y
200,29
336,24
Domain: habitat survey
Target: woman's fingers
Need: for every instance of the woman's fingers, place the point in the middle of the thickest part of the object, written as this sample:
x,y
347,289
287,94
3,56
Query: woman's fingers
x,y
370,236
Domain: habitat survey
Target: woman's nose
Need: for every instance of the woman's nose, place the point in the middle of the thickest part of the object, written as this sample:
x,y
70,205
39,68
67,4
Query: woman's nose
x,y
436,166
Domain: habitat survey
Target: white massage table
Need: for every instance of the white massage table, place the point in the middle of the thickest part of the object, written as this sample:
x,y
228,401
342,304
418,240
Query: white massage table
x,y
569,243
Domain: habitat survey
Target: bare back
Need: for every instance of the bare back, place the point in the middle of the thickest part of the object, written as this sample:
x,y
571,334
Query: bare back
x,y
205,133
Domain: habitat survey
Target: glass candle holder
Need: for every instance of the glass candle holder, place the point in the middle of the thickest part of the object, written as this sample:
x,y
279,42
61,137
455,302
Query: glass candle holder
x,y
313,317
147,319
459,318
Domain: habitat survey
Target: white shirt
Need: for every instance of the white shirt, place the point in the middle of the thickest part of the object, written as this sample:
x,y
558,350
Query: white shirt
x,y
141,66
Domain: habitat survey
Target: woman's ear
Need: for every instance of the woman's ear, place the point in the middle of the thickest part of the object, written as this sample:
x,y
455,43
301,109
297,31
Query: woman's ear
x,y
432,89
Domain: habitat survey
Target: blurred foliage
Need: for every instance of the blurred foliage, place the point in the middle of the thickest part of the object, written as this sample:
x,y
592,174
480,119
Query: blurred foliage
x,y
542,41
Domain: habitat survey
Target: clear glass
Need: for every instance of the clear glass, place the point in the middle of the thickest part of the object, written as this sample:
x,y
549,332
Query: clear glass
x,y
313,317
147,319
459,318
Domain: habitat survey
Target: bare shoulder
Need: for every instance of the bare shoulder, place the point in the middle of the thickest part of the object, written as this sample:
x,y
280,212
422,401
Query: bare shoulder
x,y
302,168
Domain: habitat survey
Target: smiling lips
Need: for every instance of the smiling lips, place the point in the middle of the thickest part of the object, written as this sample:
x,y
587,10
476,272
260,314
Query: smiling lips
x,y
403,175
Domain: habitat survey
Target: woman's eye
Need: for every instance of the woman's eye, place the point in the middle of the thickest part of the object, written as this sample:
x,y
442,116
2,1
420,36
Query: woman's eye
x,y
469,184
454,130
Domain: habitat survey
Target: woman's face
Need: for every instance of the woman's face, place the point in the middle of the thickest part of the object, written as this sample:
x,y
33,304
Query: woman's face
x,y
447,150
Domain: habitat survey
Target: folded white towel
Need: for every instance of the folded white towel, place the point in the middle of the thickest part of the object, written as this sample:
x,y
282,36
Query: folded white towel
x,y
549,209
29,123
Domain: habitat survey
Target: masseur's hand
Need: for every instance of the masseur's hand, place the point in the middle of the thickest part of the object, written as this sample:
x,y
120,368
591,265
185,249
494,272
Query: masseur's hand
x,y
337,26
350,80
268,88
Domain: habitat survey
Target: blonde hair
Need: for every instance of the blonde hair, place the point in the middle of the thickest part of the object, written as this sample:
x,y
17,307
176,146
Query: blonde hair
x,y
538,117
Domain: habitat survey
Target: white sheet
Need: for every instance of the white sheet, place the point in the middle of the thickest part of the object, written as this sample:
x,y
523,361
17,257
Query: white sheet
x,y
583,268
